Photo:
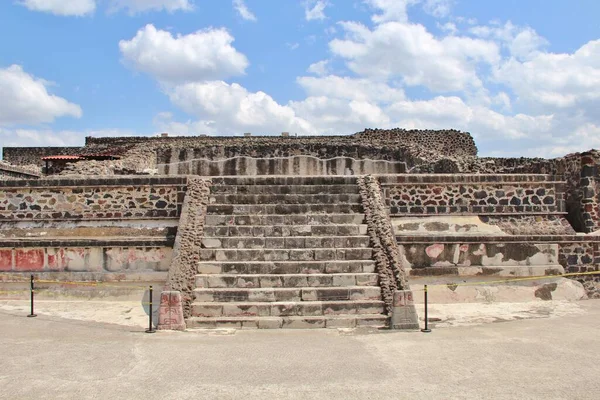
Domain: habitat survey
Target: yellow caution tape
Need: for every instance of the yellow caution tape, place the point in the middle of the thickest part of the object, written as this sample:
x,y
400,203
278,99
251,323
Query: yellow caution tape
x,y
93,284
527,278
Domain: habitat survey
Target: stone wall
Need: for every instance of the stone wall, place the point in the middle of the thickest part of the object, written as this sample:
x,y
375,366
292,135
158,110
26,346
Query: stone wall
x,y
447,142
473,194
119,198
590,192
392,276
292,165
11,172
93,258
188,242
33,155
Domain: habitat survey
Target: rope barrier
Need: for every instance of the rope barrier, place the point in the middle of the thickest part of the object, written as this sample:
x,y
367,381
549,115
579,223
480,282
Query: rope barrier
x,y
93,284
526,278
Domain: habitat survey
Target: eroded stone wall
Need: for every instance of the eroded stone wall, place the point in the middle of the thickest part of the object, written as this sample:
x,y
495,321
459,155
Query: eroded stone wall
x,y
289,166
91,198
473,194
188,242
392,277
33,155
85,259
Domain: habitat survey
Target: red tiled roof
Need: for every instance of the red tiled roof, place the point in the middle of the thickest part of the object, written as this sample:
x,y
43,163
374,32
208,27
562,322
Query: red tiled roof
x,y
62,157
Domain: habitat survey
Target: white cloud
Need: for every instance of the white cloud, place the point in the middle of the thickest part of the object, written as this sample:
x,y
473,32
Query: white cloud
x,y
138,6
410,52
340,116
438,8
558,81
315,9
25,99
521,42
449,27
444,112
203,55
319,68
350,89
391,10
48,137
230,109
243,10
61,7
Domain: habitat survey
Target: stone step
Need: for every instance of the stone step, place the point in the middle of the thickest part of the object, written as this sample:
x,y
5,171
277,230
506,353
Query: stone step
x,y
284,199
282,209
284,230
286,309
285,180
284,189
286,267
293,322
290,242
287,294
269,254
210,281
287,219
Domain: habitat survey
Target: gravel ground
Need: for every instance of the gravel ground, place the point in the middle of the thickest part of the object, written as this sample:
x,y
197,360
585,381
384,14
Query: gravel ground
x,y
554,357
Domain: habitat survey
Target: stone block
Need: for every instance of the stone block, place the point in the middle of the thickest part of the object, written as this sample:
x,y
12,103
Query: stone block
x,y
268,281
220,281
205,268
303,322
276,255
288,294
243,310
301,255
209,243
309,295
324,230
301,230
319,280
284,309
261,295
325,254
248,281
275,243
340,322
170,311
225,255
270,323
339,307
201,282
294,242
404,315
207,254
367,280
207,310
344,280
295,280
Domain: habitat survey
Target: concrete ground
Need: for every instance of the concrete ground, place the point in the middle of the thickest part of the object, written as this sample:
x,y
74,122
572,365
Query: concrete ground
x,y
541,358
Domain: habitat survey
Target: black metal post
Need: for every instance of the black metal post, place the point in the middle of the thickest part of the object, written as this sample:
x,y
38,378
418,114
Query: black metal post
x,y
426,329
150,326
31,291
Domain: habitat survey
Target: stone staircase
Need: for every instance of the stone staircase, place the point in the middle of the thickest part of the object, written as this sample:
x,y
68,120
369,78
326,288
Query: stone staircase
x,y
286,252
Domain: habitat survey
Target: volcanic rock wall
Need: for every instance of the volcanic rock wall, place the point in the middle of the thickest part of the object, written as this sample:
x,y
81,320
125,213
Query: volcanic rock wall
x,y
109,228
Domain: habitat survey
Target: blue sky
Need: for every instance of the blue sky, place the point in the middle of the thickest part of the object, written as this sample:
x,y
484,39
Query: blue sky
x,y
522,76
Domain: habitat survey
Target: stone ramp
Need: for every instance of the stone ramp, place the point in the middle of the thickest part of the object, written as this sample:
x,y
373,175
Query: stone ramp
x,y
286,252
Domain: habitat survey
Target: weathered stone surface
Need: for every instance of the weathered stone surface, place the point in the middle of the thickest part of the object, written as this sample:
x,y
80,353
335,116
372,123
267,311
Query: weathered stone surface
x,y
170,311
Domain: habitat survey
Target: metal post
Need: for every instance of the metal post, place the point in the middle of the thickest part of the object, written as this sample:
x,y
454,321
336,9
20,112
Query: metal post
x,y
426,329
150,327
31,291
